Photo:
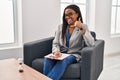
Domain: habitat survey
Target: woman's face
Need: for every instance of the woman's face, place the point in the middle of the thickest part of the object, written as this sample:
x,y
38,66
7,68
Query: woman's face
x,y
70,16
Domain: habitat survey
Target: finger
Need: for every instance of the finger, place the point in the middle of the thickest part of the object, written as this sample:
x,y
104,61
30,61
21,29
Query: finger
x,y
60,55
79,19
75,23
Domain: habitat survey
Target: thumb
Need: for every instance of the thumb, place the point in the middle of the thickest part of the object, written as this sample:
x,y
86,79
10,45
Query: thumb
x,y
79,19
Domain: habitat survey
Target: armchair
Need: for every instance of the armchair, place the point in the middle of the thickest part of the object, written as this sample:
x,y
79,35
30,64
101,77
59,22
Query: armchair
x,y
89,67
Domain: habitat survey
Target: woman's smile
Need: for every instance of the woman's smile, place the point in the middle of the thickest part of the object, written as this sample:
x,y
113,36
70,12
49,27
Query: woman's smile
x,y
69,20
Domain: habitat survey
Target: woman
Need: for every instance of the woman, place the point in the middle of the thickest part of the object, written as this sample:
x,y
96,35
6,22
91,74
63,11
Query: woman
x,y
68,39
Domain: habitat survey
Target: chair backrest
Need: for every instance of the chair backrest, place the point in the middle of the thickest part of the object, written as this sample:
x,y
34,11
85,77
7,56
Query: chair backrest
x,y
93,34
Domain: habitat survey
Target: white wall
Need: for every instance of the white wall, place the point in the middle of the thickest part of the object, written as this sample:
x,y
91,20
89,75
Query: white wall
x,y
102,26
11,53
40,19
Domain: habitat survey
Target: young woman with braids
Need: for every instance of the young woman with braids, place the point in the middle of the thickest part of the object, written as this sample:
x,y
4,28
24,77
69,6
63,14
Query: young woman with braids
x,y
68,39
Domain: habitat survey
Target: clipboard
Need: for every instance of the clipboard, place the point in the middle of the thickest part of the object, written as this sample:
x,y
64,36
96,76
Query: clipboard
x,y
52,56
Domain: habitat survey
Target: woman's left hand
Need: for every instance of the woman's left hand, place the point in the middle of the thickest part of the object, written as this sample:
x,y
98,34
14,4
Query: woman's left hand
x,y
78,24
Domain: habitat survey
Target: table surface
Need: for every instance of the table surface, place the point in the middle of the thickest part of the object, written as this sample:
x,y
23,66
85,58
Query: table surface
x,y
9,70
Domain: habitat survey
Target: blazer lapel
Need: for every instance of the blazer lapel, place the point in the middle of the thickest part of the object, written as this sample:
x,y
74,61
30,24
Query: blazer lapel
x,y
74,36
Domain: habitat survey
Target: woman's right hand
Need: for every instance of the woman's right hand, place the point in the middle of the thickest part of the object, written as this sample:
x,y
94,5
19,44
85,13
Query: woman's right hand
x,y
57,53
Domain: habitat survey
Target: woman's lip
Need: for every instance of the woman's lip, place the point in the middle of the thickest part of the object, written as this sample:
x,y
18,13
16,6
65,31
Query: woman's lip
x,y
69,20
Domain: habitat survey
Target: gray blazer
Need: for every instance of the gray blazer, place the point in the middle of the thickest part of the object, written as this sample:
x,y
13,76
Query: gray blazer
x,y
75,43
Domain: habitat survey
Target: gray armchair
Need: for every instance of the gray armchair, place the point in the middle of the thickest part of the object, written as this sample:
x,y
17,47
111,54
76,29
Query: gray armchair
x,y
89,67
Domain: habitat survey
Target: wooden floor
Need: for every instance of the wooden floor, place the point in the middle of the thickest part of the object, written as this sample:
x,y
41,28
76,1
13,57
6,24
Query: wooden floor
x,y
111,69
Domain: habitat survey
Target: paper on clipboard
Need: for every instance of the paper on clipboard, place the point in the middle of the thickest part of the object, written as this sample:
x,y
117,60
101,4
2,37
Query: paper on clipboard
x,y
51,56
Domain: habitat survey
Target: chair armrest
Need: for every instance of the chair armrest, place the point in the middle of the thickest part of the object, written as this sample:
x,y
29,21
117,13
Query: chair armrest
x,y
37,49
92,61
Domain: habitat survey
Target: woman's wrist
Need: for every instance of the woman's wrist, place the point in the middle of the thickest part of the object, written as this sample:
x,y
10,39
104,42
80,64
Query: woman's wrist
x,y
83,30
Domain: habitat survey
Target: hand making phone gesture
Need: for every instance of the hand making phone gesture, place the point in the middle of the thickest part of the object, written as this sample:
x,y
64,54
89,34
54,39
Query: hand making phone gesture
x,y
79,25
